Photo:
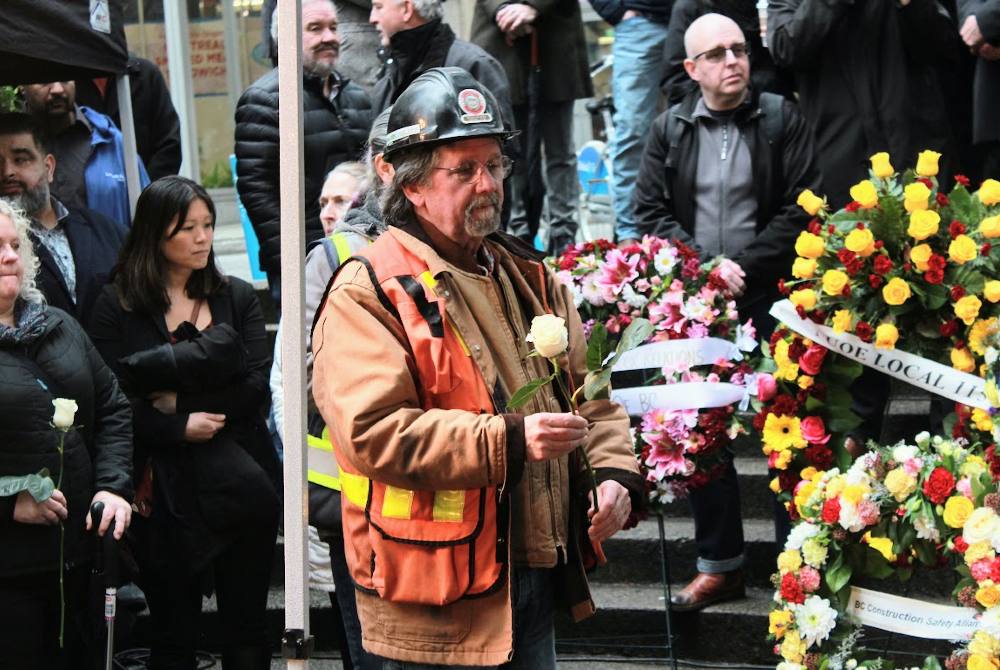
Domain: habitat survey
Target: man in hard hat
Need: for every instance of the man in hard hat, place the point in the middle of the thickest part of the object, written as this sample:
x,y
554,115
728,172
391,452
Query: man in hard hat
x,y
464,521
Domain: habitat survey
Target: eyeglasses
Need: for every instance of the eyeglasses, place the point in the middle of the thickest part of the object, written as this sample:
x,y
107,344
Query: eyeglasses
x,y
498,168
718,54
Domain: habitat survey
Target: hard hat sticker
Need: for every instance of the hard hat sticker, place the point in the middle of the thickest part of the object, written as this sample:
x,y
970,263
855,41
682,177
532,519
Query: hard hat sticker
x,y
402,133
473,105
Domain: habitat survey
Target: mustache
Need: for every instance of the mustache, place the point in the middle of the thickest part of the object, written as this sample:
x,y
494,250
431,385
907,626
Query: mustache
x,y
482,201
333,46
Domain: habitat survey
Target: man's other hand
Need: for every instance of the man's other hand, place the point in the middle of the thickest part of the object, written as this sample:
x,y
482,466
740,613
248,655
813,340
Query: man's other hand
x,y
549,435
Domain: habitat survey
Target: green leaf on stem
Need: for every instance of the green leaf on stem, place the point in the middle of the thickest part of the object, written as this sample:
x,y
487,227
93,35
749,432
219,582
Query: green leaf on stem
x,y
635,334
597,347
596,385
527,392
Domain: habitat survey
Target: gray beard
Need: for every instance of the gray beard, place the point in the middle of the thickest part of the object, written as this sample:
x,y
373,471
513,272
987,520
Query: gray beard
x,y
31,201
483,225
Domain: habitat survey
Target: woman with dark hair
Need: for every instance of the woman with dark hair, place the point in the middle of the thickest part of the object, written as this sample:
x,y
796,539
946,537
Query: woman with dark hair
x,y
190,348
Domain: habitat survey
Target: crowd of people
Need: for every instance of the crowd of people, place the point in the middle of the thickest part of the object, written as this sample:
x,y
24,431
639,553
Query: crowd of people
x,y
448,526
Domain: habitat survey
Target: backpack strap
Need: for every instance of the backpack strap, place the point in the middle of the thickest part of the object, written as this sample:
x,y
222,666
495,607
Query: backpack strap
x,y
772,106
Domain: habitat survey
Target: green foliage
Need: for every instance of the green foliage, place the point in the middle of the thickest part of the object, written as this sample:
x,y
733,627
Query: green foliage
x,y
218,176
8,99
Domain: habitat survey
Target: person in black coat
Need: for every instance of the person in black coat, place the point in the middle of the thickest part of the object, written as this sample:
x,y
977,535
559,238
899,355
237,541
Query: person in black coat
x,y
337,116
44,355
191,350
76,248
157,126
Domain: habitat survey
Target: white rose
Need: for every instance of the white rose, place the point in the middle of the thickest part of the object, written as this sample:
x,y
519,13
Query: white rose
x,y
65,410
980,526
549,335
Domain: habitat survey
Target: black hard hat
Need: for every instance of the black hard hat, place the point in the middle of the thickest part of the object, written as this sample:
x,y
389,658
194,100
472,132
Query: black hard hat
x,y
443,104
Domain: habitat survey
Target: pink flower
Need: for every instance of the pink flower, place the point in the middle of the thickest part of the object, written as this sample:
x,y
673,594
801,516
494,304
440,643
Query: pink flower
x,y
616,271
767,387
809,577
964,486
665,458
982,569
697,330
913,466
868,512
813,430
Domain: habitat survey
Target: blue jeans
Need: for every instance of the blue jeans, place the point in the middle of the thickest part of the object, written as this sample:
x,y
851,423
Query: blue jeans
x,y
534,635
635,85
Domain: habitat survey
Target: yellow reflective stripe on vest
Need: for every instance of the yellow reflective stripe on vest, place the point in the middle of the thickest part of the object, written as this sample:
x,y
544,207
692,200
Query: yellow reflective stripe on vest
x,y
355,488
322,465
449,505
397,504
340,244
428,279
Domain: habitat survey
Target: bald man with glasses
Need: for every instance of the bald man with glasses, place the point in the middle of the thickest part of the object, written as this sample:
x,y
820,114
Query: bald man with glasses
x,y
721,172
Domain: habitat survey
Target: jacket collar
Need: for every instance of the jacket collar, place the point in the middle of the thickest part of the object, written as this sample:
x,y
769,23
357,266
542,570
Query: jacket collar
x,y
686,110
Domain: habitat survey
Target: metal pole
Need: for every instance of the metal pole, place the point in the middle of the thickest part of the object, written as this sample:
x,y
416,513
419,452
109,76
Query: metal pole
x,y
175,24
293,343
128,135
665,582
234,74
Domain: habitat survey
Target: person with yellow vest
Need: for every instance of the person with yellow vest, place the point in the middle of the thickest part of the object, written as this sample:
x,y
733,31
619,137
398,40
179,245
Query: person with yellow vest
x,y
465,523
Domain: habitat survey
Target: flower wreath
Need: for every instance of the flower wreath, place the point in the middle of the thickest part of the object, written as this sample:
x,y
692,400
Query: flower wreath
x,y
666,283
895,508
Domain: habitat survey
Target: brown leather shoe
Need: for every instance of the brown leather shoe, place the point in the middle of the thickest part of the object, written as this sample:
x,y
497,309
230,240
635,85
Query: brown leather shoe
x,y
708,588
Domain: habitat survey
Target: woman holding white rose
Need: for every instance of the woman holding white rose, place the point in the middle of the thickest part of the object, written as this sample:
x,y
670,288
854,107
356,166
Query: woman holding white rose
x,y
44,356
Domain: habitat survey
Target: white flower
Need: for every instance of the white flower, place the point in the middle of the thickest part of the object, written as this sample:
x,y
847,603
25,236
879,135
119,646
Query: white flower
x,y
787,665
926,528
636,300
981,525
800,533
591,291
849,517
851,664
991,356
65,410
990,621
665,260
549,335
815,619
905,452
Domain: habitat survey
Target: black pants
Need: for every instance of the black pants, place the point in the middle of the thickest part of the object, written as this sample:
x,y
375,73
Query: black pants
x,y
29,623
241,577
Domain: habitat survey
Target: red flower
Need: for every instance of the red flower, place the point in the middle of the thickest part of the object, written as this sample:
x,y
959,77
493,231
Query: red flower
x,y
811,360
994,461
875,280
846,256
852,206
985,249
831,229
949,328
937,262
759,419
926,182
864,331
783,289
942,199
846,291
779,334
907,267
813,430
854,266
961,546
939,485
814,227
791,589
795,351
821,457
567,261
879,244
961,179
882,264
691,268
956,228
785,405
934,276
957,293
831,511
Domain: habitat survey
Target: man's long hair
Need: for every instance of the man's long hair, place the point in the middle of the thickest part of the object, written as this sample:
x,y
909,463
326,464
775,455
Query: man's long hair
x,y
412,166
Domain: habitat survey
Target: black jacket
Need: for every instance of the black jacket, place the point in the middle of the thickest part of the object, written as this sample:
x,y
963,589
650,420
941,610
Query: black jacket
x,y
664,191
869,79
335,130
97,455
613,10
986,89
180,512
95,241
413,52
157,126
764,74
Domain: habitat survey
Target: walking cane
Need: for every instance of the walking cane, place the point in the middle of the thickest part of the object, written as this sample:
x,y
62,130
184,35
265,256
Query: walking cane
x,y
106,567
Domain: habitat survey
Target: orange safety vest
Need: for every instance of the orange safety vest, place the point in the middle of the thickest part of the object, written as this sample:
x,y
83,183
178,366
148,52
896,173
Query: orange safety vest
x,y
424,547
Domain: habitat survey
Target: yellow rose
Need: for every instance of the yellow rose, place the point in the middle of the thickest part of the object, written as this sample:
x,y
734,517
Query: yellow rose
x,y
783,460
920,256
990,226
915,196
984,644
778,622
962,360
991,291
967,309
789,560
988,594
805,268
793,647
864,194
900,484
982,419
962,249
989,192
977,551
834,282
957,511
980,662
881,167
896,292
549,335
927,163
882,545
809,246
775,486
923,224
860,241
853,493
886,336
804,298
805,381
841,321
810,202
